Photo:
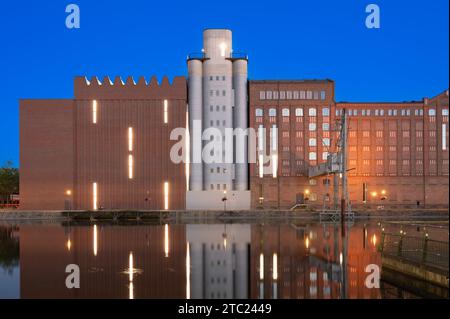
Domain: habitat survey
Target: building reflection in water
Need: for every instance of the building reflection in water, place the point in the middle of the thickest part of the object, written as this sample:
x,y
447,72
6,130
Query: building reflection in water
x,y
199,261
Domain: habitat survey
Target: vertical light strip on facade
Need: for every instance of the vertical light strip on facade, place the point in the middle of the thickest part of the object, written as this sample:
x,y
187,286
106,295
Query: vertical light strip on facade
x,y
94,111
166,240
444,137
275,267
130,166
188,272
166,112
130,139
261,165
274,150
166,195
94,196
261,149
261,267
274,165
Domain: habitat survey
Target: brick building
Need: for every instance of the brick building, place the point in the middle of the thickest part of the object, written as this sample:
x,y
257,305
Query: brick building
x,y
109,147
106,148
398,150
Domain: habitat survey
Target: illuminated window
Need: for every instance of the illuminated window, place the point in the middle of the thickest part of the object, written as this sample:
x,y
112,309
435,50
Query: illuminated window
x,y
94,196
298,112
261,165
166,112
262,95
444,137
166,195
94,111
130,139
130,166
274,165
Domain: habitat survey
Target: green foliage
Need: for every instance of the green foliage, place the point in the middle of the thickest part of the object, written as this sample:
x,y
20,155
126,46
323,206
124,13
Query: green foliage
x,y
9,181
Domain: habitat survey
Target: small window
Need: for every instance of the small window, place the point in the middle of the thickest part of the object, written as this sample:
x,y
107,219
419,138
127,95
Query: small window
x,y
312,111
326,126
262,95
312,156
326,142
259,112
444,112
312,142
272,112
431,112
298,112
322,95
326,111
285,112
312,126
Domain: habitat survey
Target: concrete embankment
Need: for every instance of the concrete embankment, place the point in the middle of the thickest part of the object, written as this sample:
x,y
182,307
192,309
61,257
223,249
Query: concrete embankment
x,y
179,216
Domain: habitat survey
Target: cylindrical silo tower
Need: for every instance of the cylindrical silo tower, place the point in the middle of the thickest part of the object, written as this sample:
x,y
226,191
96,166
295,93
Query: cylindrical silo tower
x,y
217,103
217,107
240,122
195,100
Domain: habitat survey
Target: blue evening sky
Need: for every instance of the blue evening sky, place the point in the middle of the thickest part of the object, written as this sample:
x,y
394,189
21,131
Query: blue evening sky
x,y
406,59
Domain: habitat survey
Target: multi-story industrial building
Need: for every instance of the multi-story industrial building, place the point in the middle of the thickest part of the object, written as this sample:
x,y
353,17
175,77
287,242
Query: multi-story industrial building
x,y
115,145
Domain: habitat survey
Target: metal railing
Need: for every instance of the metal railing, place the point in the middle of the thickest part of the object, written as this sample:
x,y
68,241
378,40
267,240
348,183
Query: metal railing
x,y
420,250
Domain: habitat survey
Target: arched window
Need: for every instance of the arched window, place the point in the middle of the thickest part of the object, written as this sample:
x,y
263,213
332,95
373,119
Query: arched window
x,y
259,112
272,112
312,112
285,112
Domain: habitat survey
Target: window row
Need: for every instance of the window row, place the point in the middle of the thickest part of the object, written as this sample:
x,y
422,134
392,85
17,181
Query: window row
x,y
217,92
298,112
394,112
218,108
217,77
292,95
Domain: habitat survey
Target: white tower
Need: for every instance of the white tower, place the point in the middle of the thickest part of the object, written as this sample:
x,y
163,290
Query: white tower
x,y
217,97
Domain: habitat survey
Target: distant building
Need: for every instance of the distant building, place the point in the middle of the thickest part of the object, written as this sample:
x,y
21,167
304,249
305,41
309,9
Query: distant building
x,y
112,145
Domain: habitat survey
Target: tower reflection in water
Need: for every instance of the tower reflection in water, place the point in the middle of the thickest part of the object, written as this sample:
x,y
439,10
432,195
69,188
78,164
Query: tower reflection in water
x,y
198,261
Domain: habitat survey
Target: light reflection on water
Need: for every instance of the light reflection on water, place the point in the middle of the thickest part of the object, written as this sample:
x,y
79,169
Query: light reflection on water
x,y
261,260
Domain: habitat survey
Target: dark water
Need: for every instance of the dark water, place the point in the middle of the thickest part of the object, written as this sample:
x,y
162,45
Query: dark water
x,y
258,260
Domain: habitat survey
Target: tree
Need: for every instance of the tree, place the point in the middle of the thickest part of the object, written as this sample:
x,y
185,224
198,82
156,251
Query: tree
x,y
9,181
